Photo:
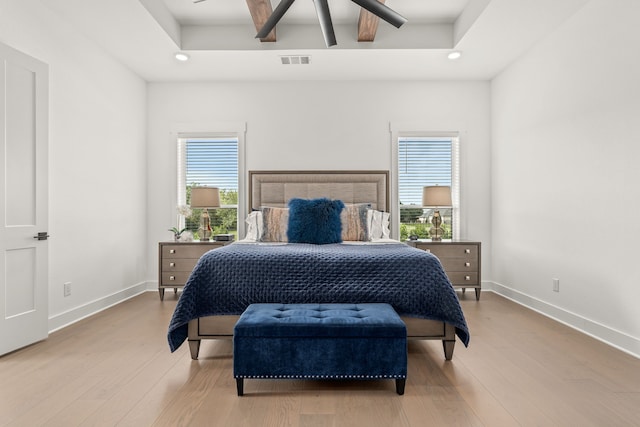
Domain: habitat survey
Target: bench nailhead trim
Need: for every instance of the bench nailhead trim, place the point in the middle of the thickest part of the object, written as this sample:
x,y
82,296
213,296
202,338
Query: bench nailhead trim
x,y
322,376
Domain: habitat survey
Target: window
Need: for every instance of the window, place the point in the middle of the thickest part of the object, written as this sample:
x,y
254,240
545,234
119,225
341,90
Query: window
x,y
423,161
211,162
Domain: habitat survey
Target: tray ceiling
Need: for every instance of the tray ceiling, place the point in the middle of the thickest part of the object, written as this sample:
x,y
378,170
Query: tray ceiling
x,y
219,37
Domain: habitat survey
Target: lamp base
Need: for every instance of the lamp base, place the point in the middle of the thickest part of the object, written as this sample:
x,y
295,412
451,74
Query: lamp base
x,y
204,232
436,232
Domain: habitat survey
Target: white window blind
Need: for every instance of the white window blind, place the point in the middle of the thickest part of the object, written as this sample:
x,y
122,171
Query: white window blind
x,y
422,162
212,163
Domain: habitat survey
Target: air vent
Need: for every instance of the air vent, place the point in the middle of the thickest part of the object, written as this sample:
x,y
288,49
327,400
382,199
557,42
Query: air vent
x,y
295,59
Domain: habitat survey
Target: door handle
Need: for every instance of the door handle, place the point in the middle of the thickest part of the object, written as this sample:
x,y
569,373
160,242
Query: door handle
x,y
42,235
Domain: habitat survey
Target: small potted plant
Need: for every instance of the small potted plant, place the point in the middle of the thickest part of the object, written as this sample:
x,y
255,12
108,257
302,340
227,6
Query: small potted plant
x,y
185,211
177,233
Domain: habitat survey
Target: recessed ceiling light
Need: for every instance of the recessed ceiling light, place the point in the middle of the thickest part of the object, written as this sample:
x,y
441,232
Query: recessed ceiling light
x,y
180,56
454,55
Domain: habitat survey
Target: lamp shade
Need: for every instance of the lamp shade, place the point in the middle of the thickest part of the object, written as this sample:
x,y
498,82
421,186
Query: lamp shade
x,y
436,195
205,197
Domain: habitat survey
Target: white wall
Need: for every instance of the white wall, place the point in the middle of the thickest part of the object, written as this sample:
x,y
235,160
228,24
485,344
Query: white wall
x,y
565,153
320,126
97,163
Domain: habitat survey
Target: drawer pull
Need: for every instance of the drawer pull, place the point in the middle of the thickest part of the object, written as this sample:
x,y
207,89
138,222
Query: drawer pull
x,y
172,277
467,251
173,264
467,278
467,264
172,251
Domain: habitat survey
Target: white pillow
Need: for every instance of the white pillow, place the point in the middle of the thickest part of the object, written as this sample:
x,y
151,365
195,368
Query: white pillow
x,y
385,225
254,226
378,223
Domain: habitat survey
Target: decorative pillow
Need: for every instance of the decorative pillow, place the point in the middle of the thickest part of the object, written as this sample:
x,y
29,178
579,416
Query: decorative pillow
x,y
386,232
274,224
315,221
254,226
378,224
354,222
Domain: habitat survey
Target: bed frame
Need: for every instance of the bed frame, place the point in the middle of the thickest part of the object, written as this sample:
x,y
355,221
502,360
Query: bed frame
x,y
276,188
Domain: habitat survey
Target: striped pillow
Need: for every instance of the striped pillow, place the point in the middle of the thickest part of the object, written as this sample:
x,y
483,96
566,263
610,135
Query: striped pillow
x,y
274,224
354,222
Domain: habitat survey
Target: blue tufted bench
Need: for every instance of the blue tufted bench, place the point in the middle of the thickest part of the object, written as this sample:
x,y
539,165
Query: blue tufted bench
x,y
320,341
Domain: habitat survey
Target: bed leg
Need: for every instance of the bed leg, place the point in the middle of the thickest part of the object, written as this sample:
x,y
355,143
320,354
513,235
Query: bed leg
x,y
194,347
448,348
400,385
240,386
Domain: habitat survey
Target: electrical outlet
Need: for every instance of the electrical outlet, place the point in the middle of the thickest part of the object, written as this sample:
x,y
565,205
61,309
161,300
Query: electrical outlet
x,y
67,289
556,285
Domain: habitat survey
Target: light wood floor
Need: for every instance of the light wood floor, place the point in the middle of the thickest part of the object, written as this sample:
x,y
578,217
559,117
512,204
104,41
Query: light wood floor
x,y
521,368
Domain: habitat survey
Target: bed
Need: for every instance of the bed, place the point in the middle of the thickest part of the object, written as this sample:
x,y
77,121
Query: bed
x,y
227,280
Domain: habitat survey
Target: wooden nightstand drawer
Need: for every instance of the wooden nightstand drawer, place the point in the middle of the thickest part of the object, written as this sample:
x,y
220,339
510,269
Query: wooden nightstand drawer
x,y
177,278
450,251
459,264
185,250
179,264
459,278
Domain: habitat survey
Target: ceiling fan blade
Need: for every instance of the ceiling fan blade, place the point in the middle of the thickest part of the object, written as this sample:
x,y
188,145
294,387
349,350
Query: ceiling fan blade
x,y
324,16
382,11
275,17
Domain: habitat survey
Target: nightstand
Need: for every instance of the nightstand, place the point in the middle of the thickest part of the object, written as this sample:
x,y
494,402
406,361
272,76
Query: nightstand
x,y
460,259
176,261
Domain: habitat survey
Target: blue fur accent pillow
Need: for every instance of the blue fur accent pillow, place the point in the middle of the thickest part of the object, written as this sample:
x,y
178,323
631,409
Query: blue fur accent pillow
x,y
315,221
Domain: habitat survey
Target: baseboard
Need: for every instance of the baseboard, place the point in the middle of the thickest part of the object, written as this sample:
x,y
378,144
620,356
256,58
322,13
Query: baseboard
x,y
76,314
620,340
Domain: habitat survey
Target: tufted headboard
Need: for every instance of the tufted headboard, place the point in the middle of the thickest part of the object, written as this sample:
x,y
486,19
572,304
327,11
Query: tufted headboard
x,y
276,188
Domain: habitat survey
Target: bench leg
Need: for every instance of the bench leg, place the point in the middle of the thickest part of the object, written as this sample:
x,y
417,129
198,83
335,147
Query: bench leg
x,y
240,386
400,385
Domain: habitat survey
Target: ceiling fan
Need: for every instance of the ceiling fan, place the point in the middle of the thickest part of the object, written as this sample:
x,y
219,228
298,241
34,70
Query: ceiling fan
x,y
324,16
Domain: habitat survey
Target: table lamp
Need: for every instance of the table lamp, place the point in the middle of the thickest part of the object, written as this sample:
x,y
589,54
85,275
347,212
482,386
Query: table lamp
x,y
205,198
433,197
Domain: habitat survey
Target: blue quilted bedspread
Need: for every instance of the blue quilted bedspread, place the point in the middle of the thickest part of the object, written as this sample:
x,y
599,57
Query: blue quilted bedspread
x,y
227,280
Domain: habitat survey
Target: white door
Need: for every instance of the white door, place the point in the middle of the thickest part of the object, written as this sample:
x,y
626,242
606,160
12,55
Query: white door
x,y
23,200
